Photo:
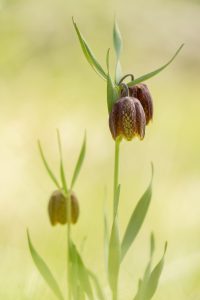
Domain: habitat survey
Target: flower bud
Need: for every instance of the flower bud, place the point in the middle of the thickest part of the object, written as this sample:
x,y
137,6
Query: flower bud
x,y
57,208
141,92
127,119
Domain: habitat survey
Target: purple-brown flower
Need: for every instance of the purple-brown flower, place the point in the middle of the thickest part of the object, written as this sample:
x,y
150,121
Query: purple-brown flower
x,y
127,119
141,92
57,208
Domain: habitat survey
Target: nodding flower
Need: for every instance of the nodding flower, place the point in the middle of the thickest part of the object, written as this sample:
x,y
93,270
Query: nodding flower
x,y
141,92
127,118
57,208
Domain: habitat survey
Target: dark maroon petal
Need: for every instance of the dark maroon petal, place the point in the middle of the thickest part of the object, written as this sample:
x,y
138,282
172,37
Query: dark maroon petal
x,y
113,122
140,119
127,118
141,92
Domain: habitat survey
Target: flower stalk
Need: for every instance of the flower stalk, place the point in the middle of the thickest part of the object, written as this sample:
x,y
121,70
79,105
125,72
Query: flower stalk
x,y
116,175
68,242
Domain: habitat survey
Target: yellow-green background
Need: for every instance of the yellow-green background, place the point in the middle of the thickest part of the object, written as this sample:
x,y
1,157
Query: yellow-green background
x,y
46,83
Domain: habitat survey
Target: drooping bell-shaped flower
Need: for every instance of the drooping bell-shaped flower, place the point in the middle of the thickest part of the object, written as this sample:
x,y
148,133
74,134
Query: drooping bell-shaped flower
x,y
57,208
141,92
127,119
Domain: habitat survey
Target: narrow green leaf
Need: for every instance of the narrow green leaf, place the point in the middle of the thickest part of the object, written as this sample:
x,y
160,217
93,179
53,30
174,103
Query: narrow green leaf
x,y
83,275
112,90
79,162
142,287
62,172
77,291
151,74
117,40
80,294
99,290
137,219
44,270
137,296
47,166
152,245
114,256
88,53
155,276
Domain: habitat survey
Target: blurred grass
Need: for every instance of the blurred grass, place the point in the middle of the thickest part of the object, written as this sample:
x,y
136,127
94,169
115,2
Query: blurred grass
x,y
45,83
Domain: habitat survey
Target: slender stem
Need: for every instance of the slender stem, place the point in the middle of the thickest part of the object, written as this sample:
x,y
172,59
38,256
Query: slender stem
x,y
124,77
68,241
67,195
115,200
116,174
114,295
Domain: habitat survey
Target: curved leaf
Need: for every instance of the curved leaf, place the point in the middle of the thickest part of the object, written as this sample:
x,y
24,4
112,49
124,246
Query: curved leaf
x,y
112,91
82,272
44,270
154,277
143,283
151,74
137,219
79,162
117,40
62,171
51,175
97,285
88,53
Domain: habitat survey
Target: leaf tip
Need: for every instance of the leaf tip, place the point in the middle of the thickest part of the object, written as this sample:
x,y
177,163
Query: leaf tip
x,y
39,143
85,139
73,20
152,170
107,60
28,238
152,243
165,247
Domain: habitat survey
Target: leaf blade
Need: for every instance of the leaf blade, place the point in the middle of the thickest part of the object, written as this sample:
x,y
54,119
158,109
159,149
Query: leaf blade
x,y
114,256
117,41
62,171
137,219
83,274
155,276
89,54
142,287
155,72
51,175
112,92
79,162
97,285
44,270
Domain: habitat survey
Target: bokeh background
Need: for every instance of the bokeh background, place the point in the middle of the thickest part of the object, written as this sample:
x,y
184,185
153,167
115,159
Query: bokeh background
x,y
46,83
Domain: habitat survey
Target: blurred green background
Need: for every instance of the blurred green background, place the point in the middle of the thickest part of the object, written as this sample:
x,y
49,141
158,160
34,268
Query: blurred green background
x,y
46,83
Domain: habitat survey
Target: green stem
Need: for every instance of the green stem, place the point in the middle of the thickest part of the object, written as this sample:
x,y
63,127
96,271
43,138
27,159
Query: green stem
x,y
68,241
116,175
115,198
114,295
